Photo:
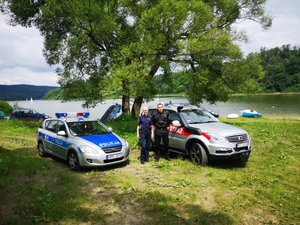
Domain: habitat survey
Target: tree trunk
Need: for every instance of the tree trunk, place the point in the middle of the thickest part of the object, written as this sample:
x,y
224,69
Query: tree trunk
x,y
136,107
125,98
138,101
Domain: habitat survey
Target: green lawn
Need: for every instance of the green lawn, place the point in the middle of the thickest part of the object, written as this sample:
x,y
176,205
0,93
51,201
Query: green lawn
x,y
36,190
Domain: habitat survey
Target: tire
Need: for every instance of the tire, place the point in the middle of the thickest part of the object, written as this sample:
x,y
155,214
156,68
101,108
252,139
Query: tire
x,y
41,149
73,161
198,154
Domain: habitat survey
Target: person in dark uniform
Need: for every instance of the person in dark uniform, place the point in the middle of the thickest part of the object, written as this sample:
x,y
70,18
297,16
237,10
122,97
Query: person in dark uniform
x,y
161,121
144,124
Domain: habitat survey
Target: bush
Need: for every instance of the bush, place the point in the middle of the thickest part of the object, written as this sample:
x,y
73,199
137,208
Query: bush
x,y
5,107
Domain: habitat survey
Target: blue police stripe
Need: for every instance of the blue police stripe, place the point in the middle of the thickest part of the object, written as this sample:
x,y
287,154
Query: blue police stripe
x,y
55,141
103,140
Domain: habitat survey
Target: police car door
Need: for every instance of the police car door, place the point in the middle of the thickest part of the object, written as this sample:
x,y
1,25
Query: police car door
x,y
50,135
176,140
60,143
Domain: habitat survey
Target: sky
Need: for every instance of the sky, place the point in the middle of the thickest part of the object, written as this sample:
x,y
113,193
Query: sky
x,y
21,49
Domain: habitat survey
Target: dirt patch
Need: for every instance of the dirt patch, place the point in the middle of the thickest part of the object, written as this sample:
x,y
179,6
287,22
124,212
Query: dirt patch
x,y
206,199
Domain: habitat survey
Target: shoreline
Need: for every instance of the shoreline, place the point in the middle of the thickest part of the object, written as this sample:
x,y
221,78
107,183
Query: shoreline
x,y
267,116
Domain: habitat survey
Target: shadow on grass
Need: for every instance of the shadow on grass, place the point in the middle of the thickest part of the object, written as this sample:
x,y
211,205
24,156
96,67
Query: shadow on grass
x,y
37,191
64,163
222,163
228,164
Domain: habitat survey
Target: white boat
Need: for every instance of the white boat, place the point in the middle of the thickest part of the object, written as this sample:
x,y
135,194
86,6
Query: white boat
x,y
233,116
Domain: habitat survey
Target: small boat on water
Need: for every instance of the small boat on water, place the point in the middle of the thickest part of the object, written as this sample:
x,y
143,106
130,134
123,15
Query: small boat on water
x,y
250,113
233,116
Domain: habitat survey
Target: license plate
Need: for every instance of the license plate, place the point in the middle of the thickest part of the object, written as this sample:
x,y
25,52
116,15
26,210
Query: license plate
x,y
113,156
241,145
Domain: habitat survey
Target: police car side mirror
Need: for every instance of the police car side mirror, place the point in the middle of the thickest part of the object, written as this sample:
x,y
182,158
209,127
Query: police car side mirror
x,y
176,123
61,133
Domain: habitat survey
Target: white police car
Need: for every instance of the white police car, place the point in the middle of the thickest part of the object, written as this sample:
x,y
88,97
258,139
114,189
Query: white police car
x,y
81,141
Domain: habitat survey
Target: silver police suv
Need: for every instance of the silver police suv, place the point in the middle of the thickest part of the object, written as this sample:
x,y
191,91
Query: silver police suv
x,y
81,141
197,133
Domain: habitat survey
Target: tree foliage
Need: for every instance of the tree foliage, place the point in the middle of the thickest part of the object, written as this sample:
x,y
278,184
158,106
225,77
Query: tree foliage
x,y
282,69
5,107
243,76
125,43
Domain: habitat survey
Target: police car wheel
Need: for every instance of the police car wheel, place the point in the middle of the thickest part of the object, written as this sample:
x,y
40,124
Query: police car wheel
x,y
41,150
198,154
73,161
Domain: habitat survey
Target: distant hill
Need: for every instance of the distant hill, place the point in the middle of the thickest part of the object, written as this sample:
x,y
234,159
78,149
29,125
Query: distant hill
x,y
23,92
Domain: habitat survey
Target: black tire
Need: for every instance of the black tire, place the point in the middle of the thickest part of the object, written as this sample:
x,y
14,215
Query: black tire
x,y
73,161
198,154
41,149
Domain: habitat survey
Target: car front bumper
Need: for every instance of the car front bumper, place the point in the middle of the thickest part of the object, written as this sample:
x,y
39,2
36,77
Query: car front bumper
x,y
98,160
230,150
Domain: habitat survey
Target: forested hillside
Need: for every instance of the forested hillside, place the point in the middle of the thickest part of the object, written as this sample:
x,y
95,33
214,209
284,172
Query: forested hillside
x,y
23,92
282,69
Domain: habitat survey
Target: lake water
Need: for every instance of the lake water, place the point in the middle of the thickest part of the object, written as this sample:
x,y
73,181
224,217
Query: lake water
x,y
268,105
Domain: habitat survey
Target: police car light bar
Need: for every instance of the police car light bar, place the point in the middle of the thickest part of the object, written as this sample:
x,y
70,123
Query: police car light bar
x,y
72,114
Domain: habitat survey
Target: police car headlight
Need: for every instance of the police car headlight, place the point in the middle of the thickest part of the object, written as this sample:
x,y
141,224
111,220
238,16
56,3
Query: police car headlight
x,y
126,144
87,149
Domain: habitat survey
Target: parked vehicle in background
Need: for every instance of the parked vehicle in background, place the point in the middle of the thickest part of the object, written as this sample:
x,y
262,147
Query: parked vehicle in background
x,y
28,114
2,116
113,112
197,133
81,141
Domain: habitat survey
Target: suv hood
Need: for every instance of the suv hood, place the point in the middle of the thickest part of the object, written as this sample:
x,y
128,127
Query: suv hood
x,y
219,129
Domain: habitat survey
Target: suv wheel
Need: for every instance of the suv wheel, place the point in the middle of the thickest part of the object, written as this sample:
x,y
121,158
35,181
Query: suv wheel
x,y
198,154
73,161
41,150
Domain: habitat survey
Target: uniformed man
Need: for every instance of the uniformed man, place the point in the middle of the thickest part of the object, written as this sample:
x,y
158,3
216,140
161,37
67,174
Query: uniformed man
x,y
144,124
161,121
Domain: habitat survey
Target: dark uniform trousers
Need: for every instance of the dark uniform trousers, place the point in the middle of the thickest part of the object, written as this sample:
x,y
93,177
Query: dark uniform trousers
x,y
165,138
145,139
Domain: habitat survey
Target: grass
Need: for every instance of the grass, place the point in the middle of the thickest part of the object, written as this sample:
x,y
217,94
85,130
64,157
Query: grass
x,y
36,190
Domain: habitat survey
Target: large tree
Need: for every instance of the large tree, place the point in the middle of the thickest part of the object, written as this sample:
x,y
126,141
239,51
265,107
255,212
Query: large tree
x,y
127,42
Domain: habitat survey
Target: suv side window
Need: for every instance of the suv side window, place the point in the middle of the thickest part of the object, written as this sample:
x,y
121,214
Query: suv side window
x,y
173,115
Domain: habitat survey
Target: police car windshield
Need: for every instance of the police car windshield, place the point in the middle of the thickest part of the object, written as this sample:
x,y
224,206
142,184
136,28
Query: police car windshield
x,y
82,128
194,116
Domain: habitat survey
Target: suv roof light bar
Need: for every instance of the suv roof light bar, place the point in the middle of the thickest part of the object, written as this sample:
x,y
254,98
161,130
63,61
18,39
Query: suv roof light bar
x,y
177,103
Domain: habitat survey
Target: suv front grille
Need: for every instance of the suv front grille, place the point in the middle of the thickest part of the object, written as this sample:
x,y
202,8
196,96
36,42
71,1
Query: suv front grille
x,y
112,149
237,138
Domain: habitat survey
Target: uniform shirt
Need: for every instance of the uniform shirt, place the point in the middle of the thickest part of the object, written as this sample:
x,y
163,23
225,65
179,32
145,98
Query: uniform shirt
x,y
145,122
161,121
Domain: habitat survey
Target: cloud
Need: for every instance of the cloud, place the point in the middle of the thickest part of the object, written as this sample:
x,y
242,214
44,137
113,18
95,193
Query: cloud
x,y
23,75
285,28
21,58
